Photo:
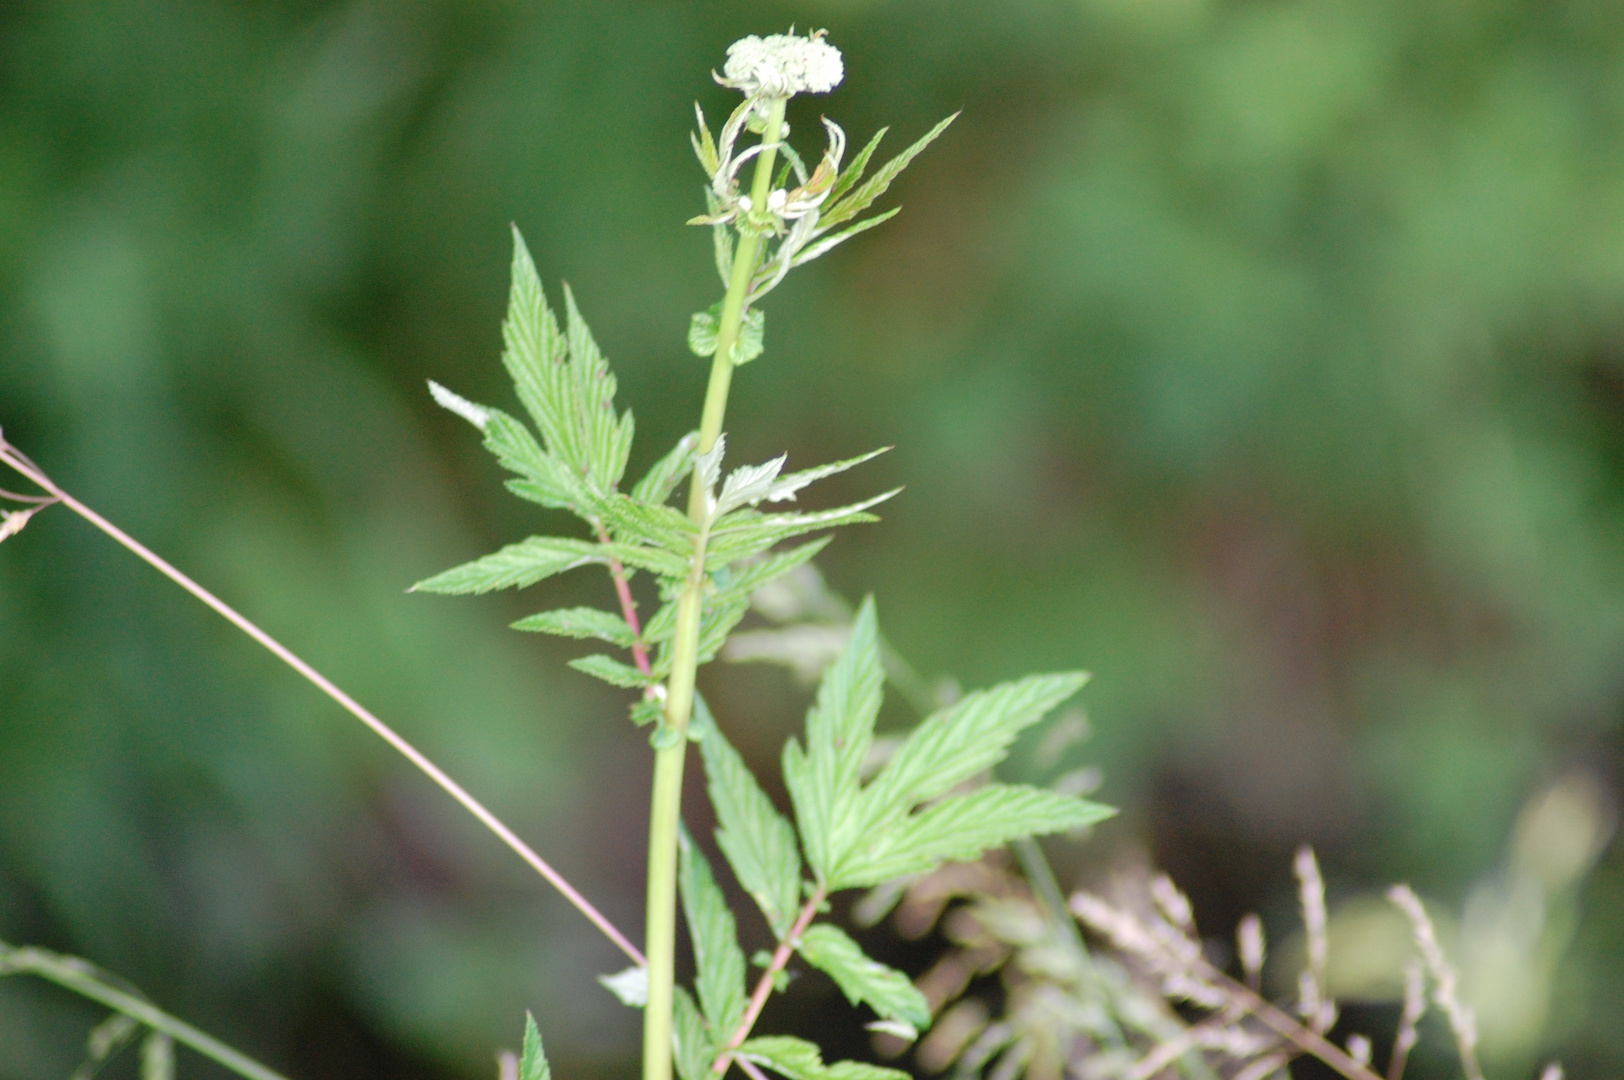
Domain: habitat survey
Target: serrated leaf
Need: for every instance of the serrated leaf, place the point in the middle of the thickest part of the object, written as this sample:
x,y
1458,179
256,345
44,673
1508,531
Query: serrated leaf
x,y
745,532
746,580
704,145
798,1059
854,171
706,325
784,1054
692,1045
823,246
533,1059
720,616
957,742
886,990
563,379
662,527
515,566
718,960
666,564
961,828
630,985
839,729
664,475
864,195
581,622
862,1070
611,671
758,842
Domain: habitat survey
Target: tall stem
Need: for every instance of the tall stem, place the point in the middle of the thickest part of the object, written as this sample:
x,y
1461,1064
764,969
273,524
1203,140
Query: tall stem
x,y
666,807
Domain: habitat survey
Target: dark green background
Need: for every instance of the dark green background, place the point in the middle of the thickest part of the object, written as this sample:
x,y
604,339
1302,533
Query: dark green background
x,y
1265,358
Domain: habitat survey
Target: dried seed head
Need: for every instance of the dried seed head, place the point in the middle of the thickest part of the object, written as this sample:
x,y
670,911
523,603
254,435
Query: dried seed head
x,y
782,65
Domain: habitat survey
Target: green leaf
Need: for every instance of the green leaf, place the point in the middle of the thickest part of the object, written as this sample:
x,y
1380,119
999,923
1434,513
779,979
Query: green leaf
x,y
563,379
692,1045
821,247
746,532
839,730
662,527
958,742
864,195
756,839
960,828
887,991
854,171
719,961
666,564
515,566
862,1070
704,145
606,438
533,1060
664,475
784,1054
611,671
801,1060
705,325
746,580
720,616
581,622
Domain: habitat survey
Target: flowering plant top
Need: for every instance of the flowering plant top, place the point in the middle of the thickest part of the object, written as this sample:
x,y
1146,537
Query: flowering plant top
x,y
782,65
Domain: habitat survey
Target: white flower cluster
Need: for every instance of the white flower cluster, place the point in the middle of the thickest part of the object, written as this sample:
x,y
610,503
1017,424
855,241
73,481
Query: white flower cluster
x,y
782,65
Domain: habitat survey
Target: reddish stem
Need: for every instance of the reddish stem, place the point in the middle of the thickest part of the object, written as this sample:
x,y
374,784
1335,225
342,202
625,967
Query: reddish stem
x,y
628,606
764,986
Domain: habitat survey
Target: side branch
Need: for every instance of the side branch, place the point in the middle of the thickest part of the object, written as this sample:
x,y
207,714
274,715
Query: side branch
x,y
9,456
764,985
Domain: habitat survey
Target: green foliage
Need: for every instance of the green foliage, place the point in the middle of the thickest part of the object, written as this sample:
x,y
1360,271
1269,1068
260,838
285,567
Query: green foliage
x,y
533,1059
717,956
798,1059
887,991
757,840
704,325
692,1044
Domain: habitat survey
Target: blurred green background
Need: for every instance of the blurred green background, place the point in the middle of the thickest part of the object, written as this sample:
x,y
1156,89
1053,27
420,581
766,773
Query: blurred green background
x,y
1265,357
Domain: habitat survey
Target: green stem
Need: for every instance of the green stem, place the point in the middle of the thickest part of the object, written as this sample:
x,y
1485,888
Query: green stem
x,y
665,810
85,980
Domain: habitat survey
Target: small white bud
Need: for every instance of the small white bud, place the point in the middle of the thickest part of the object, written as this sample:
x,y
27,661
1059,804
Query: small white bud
x,y
776,201
782,65
746,204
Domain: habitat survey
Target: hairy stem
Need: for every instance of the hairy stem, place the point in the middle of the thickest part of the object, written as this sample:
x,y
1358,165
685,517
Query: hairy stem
x,y
665,810
85,980
9,457
764,985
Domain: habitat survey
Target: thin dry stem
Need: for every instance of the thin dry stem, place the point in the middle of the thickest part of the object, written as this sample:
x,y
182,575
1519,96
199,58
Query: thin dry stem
x,y
9,456
1415,1006
1445,983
